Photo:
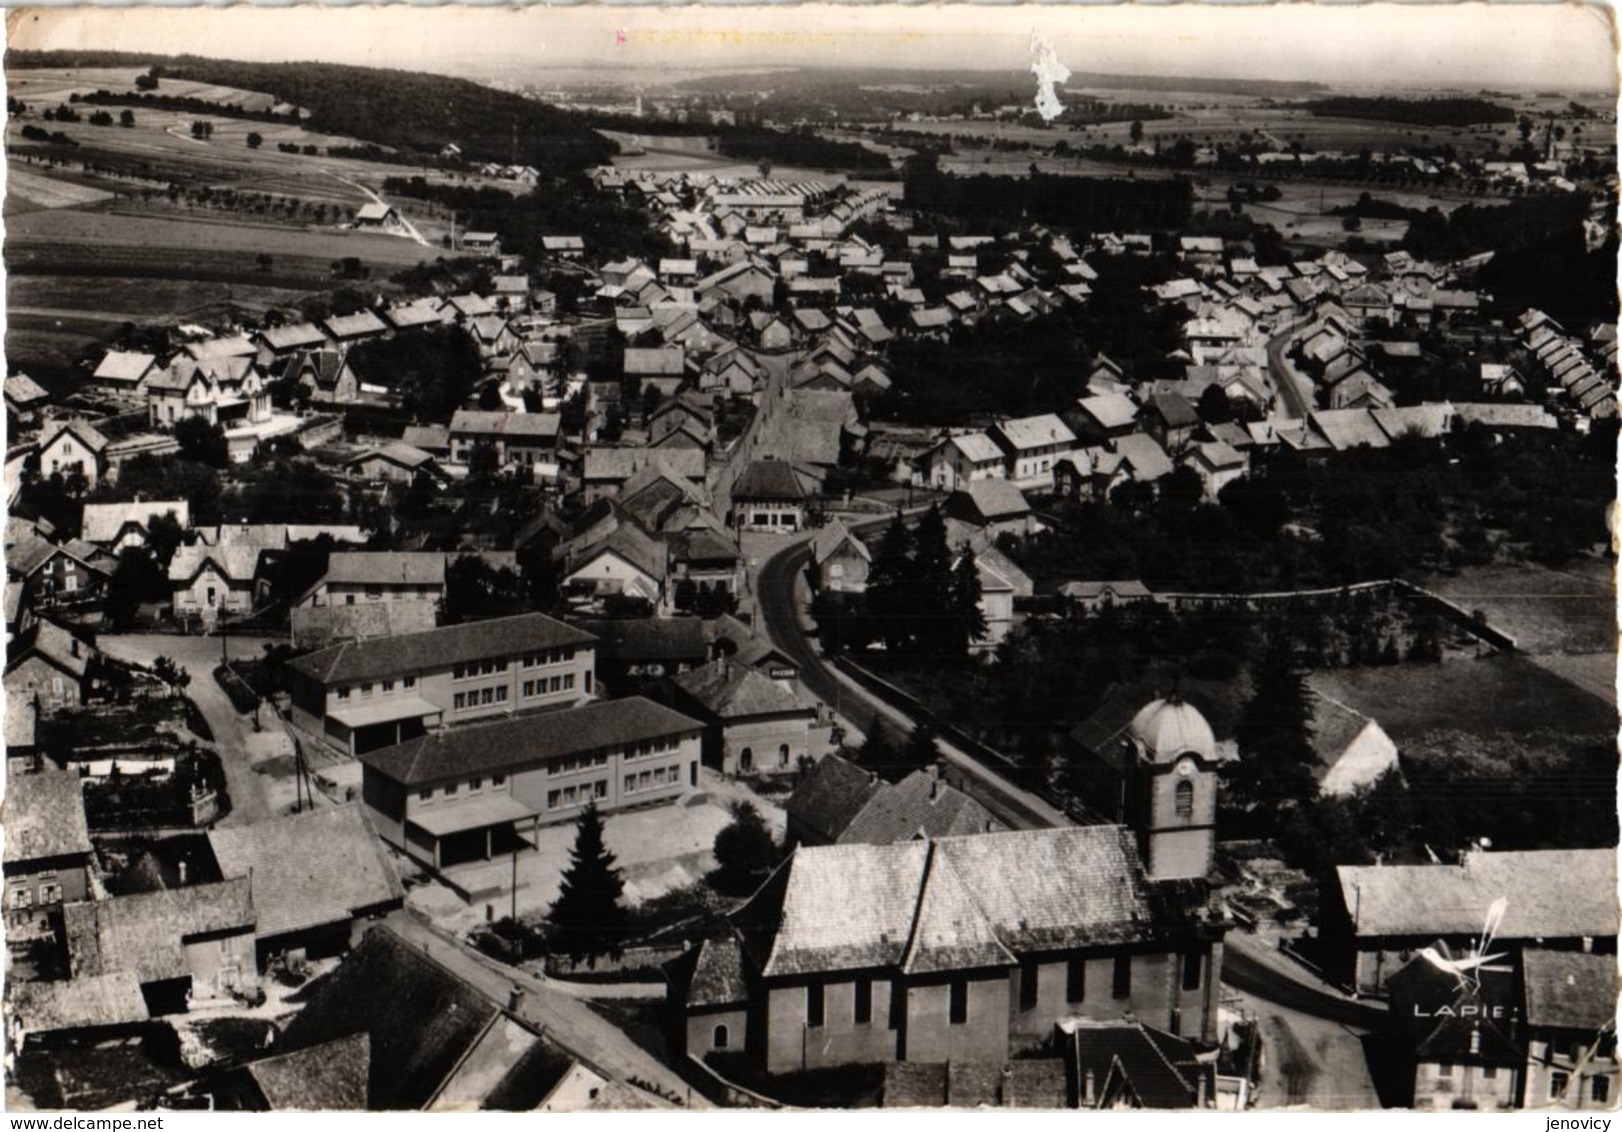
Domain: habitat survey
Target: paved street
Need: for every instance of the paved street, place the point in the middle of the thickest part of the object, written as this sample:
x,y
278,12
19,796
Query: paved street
x,y
235,740
1296,390
574,1024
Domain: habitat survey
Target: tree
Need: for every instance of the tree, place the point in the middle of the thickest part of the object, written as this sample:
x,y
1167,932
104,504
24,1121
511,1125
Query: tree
x,y
202,130
255,139
490,397
483,461
921,751
929,607
137,579
1274,735
885,600
587,919
968,613
202,442
743,850
1135,131
148,81
127,119
1213,405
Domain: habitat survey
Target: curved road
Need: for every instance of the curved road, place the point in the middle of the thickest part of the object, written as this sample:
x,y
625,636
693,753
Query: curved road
x,y
1297,402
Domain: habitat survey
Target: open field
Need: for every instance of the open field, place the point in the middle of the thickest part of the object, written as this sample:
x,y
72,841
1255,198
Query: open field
x,y
28,189
1546,611
697,154
1495,695
55,85
42,241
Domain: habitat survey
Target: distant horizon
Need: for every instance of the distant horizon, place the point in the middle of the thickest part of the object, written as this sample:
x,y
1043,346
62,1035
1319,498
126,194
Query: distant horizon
x,y
1470,46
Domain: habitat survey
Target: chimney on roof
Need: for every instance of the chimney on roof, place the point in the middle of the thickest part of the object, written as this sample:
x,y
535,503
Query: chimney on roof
x,y
73,645
182,872
1087,1088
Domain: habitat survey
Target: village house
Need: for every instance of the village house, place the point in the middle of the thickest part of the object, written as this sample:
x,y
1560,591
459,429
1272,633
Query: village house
x,y
379,217
627,562
275,342
358,577
393,462
48,855
753,725
24,398
838,803
992,506
1093,596
125,371
1568,1015
181,944
769,496
525,440
1001,582
317,876
208,581
115,526
230,395
444,798
383,691
325,376
841,559
953,949
1217,464
47,667
73,573
1031,446
957,461
1377,917
73,447
1456,1037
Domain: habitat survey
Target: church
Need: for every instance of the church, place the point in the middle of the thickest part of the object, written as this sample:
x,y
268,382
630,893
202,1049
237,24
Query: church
x,y
975,947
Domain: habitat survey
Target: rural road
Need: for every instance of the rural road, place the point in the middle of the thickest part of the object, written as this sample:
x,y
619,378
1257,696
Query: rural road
x,y
571,1022
1298,403
199,656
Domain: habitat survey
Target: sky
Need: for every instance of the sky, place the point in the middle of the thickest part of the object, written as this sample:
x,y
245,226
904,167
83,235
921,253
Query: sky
x,y
1473,45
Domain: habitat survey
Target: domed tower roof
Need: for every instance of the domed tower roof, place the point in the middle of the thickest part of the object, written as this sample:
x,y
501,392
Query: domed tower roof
x,y
1166,729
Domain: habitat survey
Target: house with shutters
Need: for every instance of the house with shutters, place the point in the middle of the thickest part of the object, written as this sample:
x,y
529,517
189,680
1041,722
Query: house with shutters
x,y
49,667
125,371
1567,1004
361,577
1032,446
208,581
527,440
48,855
957,461
954,949
73,447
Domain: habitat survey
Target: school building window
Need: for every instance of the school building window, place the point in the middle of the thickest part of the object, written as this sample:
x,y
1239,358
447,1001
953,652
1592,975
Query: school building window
x,y
862,1006
1123,976
1075,983
957,1007
814,1005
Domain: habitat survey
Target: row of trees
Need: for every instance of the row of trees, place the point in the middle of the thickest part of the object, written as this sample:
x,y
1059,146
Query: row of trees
x,y
918,602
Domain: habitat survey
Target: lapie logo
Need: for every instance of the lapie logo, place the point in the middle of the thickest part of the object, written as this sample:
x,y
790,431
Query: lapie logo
x,y
1476,1010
